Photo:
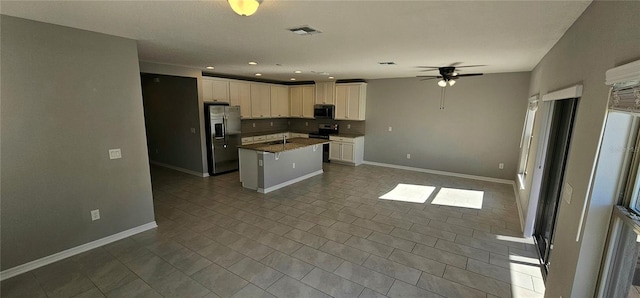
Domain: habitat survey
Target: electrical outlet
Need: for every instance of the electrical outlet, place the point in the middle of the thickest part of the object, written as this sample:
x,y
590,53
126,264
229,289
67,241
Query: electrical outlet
x,y
95,214
115,153
408,156
306,124
254,124
390,128
260,162
193,130
271,123
348,126
501,166
294,165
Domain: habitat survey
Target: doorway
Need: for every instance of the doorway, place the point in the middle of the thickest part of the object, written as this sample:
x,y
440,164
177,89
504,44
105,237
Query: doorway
x,y
559,139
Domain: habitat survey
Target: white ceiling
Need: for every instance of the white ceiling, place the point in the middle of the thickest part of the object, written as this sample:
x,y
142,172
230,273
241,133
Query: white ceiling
x,y
506,36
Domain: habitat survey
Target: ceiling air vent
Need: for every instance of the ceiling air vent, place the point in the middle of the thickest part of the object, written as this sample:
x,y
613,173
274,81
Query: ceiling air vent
x,y
387,63
304,30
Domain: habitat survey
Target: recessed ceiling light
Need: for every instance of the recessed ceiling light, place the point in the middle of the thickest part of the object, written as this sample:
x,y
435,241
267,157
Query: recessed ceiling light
x,y
209,67
258,75
292,79
298,71
331,78
253,63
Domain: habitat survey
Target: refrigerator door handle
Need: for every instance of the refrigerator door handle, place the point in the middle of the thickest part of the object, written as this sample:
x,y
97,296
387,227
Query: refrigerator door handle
x,y
224,130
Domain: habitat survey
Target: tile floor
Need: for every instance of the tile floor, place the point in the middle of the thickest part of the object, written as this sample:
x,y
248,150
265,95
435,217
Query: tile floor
x,y
328,236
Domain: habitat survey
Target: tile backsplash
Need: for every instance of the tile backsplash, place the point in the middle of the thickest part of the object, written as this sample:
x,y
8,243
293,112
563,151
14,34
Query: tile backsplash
x,y
250,126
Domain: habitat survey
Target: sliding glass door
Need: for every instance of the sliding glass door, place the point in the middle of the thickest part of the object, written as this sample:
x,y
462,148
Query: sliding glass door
x,y
557,150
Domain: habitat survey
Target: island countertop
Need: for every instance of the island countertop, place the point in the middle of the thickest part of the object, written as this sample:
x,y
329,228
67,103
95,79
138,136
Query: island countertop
x,y
292,144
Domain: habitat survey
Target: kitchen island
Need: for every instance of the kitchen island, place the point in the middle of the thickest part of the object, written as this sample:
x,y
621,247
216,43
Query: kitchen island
x,y
269,166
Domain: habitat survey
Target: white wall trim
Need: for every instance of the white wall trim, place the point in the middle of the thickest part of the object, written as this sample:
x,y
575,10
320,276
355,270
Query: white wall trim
x,y
11,272
179,169
482,178
287,183
519,205
571,92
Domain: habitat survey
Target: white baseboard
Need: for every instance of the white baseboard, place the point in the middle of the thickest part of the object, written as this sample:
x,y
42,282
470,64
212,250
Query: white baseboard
x,y
481,178
190,172
11,272
287,183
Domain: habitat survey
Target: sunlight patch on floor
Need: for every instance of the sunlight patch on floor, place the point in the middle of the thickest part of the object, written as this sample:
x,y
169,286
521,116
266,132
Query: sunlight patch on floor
x,y
459,198
409,193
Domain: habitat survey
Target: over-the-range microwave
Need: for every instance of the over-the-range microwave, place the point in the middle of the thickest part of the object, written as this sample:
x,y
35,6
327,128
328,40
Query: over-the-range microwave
x,y
324,111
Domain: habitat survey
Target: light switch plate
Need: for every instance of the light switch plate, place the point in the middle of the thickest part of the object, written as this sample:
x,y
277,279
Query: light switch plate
x,y
115,153
567,192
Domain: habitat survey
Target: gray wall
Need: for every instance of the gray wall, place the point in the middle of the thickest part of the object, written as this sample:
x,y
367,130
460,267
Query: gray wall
x,y
479,128
171,111
605,36
68,96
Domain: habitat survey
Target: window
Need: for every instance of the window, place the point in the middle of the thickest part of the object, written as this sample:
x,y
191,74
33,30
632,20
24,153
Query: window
x,y
525,141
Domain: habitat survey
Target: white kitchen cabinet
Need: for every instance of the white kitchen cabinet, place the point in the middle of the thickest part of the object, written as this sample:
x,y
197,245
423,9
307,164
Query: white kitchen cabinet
x,y
302,101
259,139
279,101
260,101
215,90
247,140
325,93
240,95
346,150
351,101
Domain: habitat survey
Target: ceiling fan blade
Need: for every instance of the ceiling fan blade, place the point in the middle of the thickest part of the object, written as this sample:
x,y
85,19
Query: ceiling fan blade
x,y
455,63
463,66
436,67
468,75
426,79
434,77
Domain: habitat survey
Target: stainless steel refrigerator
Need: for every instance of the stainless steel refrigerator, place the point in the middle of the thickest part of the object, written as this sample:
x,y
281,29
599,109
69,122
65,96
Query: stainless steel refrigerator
x,y
223,137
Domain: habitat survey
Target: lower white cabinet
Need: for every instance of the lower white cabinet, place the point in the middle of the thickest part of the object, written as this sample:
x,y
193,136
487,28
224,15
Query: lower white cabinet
x,y
346,150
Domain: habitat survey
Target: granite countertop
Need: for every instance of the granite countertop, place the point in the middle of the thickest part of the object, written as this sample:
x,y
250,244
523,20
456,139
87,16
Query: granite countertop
x,y
264,133
292,144
349,135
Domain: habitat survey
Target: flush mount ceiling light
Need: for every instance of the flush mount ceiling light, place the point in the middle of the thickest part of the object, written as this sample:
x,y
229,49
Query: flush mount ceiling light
x,y
253,63
209,67
258,75
244,7
297,71
292,79
331,78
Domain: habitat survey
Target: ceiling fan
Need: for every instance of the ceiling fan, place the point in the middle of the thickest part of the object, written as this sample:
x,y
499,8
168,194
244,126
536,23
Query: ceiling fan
x,y
448,74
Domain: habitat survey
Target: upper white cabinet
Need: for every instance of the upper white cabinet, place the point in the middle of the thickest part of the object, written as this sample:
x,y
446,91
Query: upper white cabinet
x,y
351,101
302,101
279,101
215,90
240,95
260,101
325,93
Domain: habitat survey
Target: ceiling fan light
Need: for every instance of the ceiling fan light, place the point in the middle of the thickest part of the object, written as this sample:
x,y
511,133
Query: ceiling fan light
x,y
244,7
442,83
451,82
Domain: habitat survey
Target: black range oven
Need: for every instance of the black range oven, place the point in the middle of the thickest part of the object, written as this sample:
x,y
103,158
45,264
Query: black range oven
x,y
324,131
